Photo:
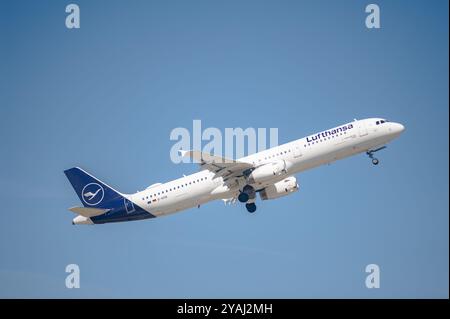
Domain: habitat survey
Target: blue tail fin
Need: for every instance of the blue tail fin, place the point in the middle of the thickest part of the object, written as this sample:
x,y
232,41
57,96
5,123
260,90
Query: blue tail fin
x,y
91,191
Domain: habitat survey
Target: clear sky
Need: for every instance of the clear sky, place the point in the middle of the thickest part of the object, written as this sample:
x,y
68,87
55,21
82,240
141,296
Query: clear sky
x,y
105,97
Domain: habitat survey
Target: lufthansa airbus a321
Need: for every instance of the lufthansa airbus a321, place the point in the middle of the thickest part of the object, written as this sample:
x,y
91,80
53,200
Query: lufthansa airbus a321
x,y
269,173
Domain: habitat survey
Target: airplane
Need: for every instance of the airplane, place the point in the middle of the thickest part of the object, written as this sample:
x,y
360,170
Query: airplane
x,y
269,173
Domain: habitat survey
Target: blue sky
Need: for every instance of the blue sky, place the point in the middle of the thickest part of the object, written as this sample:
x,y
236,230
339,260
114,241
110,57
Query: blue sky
x,y
106,97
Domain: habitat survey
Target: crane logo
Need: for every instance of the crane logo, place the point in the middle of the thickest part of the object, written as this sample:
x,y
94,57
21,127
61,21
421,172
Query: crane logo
x,y
92,194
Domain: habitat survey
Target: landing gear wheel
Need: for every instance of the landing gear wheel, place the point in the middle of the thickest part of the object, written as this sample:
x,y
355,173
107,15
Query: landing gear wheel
x,y
243,197
375,161
251,208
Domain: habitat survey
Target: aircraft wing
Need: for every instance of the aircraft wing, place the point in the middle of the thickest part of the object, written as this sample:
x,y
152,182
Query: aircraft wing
x,y
221,166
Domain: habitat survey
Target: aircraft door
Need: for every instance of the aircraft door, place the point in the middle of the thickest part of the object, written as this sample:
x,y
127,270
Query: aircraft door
x,y
362,129
297,151
129,207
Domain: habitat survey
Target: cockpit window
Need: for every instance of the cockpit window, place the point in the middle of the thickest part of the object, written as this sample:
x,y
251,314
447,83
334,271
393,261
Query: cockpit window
x,y
381,122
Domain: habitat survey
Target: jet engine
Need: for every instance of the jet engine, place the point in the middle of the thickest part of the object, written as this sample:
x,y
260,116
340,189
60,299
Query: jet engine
x,y
268,171
282,188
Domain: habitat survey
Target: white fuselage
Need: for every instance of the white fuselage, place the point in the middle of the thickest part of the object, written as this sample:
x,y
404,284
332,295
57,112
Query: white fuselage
x,y
300,155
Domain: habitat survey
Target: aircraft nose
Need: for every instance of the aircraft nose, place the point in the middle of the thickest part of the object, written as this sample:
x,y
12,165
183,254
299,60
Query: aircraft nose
x,y
395,128
399,127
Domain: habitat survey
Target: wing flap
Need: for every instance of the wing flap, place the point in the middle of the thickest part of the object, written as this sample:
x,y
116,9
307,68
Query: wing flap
x,y
221,166
201,157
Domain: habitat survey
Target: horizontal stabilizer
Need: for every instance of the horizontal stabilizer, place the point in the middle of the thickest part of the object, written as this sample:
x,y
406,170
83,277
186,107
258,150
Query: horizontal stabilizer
x,y
88,212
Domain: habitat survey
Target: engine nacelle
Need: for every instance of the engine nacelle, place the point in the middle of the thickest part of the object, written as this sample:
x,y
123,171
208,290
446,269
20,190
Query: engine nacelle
x,y
285,187
268,171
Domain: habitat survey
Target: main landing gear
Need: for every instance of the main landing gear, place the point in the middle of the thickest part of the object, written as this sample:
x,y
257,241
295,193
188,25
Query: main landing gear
x,y
248,194
375,161
243,197
251,208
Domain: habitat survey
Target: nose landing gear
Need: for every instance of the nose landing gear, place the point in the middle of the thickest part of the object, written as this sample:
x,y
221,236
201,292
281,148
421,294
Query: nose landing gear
x,y
369,153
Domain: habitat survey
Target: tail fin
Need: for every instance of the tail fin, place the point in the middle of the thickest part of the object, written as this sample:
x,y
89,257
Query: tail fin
x,y
91,191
